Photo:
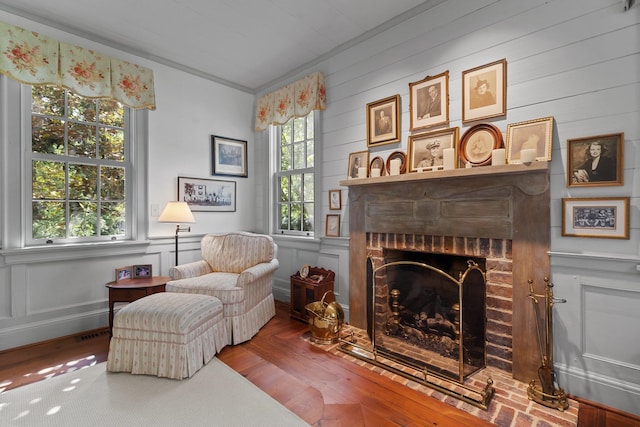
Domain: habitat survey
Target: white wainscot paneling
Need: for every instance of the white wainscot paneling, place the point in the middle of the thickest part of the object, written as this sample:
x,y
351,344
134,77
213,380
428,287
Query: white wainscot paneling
x,y
5,292
292,254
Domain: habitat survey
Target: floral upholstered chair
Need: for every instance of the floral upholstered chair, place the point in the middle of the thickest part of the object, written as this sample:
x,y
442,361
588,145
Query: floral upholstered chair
x,y
238,269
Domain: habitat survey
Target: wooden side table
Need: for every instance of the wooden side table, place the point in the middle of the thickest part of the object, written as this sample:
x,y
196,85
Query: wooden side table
x,y
310,289
129,290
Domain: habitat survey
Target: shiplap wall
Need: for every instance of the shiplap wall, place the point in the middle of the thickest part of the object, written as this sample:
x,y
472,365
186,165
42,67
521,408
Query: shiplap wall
x,y
578,61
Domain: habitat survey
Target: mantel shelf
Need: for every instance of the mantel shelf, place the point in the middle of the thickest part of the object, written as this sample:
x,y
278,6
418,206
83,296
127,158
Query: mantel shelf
x,y
446,174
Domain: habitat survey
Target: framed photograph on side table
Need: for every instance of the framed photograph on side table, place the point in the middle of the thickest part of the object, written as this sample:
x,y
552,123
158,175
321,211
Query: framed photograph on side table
x,y
141,271
429,101
533,134
124,273
333,226
335,200
383,121
484,91
228,156
426,149
606,217
595,161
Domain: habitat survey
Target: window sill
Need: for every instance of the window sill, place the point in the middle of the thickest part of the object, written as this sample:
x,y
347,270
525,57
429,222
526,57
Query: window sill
x,y
71,251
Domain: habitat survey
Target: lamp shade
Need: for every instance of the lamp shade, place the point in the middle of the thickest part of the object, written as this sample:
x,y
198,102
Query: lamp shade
x,y
176,212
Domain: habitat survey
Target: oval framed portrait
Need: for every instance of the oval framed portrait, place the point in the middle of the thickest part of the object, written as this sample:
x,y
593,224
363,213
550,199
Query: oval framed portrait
x,y
403,161
477,144
377,163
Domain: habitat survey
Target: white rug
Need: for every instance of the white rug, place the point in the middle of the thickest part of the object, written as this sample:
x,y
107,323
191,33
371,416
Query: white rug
x,y
215,396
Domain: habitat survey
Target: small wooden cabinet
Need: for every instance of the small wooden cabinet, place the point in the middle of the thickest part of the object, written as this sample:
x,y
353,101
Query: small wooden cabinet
x,y
310,289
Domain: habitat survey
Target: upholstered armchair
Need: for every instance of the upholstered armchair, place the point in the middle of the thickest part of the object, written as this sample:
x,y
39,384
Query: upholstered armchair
x,y
237,268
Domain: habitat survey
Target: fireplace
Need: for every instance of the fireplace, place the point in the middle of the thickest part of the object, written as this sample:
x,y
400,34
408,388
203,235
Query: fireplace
x,y
496,216
428,312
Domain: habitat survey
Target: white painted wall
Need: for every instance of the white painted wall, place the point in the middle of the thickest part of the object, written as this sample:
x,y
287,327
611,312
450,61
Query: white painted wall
x,y
578,61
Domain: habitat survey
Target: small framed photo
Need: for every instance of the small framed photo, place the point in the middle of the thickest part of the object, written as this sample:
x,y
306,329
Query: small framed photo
x,y
124,273
228,156
335,200
426,150
595,161
358,164
484,91
377,163
397,155
141,271
207,195
429,101
533,134
383,121
477,144
606,217
333,226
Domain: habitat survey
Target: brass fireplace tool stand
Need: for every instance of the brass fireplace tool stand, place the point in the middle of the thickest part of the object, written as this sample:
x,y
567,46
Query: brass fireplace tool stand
x,y
545,389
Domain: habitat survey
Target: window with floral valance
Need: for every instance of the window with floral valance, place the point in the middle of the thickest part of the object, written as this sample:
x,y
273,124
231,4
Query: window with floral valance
x,y
297,99
34,59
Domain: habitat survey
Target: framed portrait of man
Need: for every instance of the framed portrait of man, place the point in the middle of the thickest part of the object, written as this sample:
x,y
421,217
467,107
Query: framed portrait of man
x,y
429,101
383,121
484,91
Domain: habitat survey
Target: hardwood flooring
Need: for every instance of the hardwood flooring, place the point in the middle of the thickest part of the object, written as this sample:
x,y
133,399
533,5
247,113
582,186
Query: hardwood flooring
x,y
323,389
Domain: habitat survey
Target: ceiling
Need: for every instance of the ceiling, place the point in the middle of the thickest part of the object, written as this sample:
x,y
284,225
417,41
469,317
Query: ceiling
x,y
246,44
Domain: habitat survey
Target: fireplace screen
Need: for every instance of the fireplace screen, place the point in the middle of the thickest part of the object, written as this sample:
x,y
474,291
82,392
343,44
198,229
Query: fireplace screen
x,y
424,317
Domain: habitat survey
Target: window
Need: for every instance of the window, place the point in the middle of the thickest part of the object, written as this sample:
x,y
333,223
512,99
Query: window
x,y
294,176
79,165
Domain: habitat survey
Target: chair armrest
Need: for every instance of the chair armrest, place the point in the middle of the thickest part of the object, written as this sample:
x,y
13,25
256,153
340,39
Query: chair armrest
x,y
192,269
252,273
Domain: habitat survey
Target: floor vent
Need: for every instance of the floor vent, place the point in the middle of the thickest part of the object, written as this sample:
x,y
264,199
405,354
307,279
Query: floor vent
x,y
92,335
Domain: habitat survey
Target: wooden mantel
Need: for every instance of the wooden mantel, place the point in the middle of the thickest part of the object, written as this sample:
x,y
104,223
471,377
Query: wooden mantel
x,y
497,202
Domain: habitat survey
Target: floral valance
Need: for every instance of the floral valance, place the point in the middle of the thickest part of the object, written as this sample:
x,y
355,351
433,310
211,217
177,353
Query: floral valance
x,y
34,59
294,100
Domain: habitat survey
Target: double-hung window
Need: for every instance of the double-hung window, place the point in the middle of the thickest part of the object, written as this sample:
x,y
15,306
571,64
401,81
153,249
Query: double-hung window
x,y
294,176
79,166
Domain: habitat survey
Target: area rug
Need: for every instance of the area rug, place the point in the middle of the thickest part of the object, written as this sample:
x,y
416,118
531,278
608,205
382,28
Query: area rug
x,y
215,396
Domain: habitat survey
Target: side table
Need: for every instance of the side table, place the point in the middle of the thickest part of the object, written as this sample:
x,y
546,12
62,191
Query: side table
x,y
309,289
129,290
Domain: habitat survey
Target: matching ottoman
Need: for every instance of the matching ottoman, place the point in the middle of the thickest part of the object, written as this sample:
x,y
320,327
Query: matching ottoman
x,y
167,335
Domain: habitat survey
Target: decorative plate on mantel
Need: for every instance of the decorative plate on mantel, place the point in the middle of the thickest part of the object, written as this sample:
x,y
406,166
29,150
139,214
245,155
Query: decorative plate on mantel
x,y
477,144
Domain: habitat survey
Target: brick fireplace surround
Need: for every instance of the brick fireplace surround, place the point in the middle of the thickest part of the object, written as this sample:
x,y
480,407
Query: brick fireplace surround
x,y
500,213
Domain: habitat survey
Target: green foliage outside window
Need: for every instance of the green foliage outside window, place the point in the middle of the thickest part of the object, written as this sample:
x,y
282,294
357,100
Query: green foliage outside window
x,y
78,166
295,177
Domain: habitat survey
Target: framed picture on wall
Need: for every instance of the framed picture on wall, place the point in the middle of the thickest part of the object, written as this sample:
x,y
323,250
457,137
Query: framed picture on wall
x,y
335,200
606,217
429,101
358,164
333,226
595,161
530,135
383,121
207,195
484,91
228,156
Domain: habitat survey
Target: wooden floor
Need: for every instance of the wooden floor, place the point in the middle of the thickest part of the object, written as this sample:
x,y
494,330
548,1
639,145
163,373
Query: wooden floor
x,y
323,389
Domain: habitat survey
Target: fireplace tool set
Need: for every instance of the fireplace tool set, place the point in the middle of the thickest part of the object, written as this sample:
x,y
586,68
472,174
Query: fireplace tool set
x,y
545,389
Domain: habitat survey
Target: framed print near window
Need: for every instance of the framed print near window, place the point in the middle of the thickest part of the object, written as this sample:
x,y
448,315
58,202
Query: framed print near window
x,y
333,226
484,91
228,156
606,217
358,164
426,149
595,161
207,195
477,144
533,134
429,101
383,121
335,200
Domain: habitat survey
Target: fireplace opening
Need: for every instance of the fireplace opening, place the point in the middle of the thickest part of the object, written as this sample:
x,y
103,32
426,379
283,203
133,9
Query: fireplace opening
x,y
429,311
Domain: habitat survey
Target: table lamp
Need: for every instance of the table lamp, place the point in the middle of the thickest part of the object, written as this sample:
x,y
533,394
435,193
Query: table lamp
x,y
177,212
